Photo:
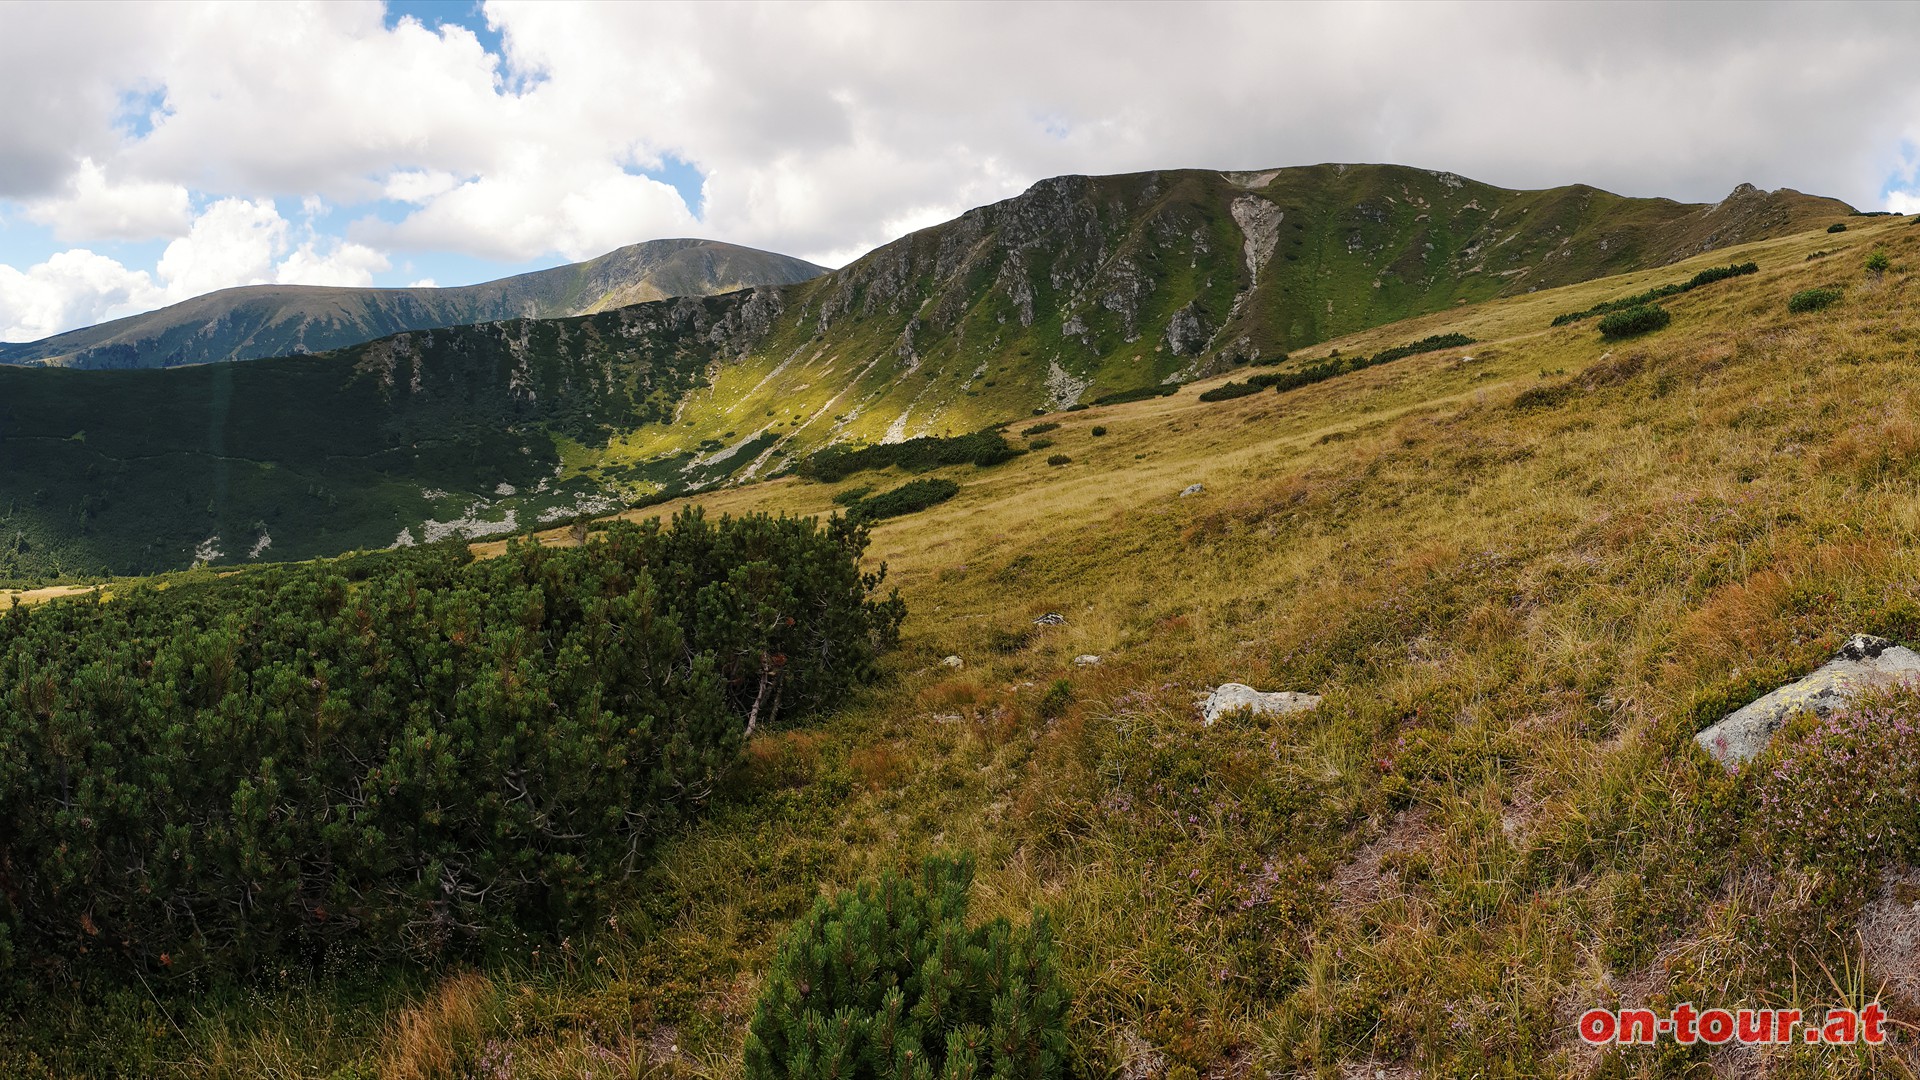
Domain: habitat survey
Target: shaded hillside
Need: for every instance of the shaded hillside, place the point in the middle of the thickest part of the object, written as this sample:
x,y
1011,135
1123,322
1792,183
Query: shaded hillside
x,y
459,431
282,320
1079,288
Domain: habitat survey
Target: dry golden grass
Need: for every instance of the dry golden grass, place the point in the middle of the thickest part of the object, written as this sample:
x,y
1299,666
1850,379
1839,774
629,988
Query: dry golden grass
x,y
436,1038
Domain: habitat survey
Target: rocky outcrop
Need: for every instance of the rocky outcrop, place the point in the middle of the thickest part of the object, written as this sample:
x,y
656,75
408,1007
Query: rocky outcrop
x,y
1863,663
1231,698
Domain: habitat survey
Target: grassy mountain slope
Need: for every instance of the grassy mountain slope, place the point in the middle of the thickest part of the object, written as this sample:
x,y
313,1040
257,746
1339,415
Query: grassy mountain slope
x,y
1522,573
1080,287
281,320
1085,286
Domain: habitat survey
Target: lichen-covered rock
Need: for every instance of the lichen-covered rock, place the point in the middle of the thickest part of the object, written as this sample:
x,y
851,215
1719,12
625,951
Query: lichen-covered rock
x,y
1188,330
1193,489
1862,663
1230,698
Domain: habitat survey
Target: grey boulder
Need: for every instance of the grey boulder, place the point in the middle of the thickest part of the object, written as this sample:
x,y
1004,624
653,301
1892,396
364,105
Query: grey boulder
x,y
1863,663
1230,698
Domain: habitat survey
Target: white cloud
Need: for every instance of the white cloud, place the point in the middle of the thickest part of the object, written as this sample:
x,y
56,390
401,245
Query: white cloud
x,y
92,208
72,288
343,264
419,185
531,207
1904,202
826,129
233,242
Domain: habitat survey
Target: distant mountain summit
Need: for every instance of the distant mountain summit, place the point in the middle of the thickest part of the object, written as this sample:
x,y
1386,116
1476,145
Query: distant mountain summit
x,y
283,320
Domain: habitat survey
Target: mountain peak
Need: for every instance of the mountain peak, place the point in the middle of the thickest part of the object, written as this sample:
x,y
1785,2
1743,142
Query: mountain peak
x,y
279,320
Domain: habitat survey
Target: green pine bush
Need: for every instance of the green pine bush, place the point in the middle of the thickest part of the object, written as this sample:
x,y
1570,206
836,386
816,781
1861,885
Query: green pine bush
x,y
888,982
1059,459
1813,300
1142,393
1634,321
410,752
909,498
835,463
1879,262
1837,227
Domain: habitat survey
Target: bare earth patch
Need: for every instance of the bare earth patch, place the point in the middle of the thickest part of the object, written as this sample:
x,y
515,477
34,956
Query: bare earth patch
x,y
1890,938
1364,881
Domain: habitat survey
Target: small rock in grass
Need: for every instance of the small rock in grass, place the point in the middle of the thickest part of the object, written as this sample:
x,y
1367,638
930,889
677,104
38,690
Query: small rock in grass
x,y
1231,698
1051,618
1192,489
1864,662
1085,660
954,662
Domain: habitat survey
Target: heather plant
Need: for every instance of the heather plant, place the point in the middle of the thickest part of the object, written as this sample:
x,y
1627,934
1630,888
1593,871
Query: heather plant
x,y
1842,793
888,981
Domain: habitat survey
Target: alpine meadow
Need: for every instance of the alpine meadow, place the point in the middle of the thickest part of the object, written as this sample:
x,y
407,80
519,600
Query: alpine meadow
x,y
1326,621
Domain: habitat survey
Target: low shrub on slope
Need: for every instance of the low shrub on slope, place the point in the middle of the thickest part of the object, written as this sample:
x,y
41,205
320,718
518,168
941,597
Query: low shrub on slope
x,y
409,751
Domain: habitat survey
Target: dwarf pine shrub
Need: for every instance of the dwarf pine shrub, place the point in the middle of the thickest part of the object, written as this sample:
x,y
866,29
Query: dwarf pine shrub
x,y
1229,390
888,981
1660,292
908,498
982,448
1879,262
1138,394
1059,459
404,752
1813,299
1837,227
1634,321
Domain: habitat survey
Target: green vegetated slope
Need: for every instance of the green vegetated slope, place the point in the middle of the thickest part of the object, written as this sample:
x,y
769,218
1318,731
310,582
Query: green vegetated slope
x,y
1522,574
1079,288
280,320
1086,286
460,431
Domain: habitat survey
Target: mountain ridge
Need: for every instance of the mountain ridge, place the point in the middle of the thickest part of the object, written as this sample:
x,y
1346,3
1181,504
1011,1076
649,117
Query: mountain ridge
x,y
262,321
1080,288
